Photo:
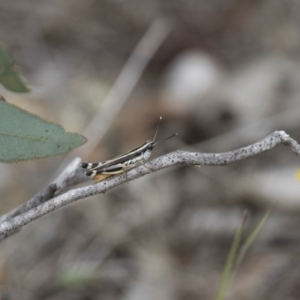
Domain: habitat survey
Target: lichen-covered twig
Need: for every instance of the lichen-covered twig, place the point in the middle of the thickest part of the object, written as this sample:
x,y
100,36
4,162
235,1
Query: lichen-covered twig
x,y
168,160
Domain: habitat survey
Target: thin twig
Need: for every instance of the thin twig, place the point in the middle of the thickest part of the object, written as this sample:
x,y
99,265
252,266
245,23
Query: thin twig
x,y
168,160
288,119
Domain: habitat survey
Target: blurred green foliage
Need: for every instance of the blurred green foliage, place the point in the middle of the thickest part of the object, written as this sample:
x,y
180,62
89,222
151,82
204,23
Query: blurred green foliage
x,y
10,77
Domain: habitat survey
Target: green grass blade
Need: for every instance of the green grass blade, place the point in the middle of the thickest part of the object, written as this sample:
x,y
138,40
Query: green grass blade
x,y
227,271
252,236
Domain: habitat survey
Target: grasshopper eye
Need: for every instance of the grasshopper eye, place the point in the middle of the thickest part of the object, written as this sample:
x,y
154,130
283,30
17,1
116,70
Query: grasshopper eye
x,y
150,146
84,165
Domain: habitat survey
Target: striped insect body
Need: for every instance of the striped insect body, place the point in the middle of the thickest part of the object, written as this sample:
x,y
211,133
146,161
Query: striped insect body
x,y
124,162
147,153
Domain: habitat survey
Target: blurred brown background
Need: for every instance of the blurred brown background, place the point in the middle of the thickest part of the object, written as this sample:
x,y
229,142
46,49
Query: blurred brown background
x,y
226,75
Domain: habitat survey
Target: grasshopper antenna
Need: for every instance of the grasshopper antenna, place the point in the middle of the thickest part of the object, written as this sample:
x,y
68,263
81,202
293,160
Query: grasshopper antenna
x,y
157,129
165,139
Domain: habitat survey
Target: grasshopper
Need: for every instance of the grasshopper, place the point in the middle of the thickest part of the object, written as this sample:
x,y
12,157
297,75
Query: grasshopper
x,y
124,162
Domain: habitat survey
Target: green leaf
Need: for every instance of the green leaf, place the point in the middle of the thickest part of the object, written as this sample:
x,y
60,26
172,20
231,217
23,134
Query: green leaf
x,y
10,77
25,136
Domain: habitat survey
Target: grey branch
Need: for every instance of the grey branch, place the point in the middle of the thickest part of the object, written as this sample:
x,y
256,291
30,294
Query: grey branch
x,y
71,176
168,160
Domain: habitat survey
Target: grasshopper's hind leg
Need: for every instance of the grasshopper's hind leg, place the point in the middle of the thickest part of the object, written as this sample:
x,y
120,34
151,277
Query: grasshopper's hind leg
x,y
126,176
